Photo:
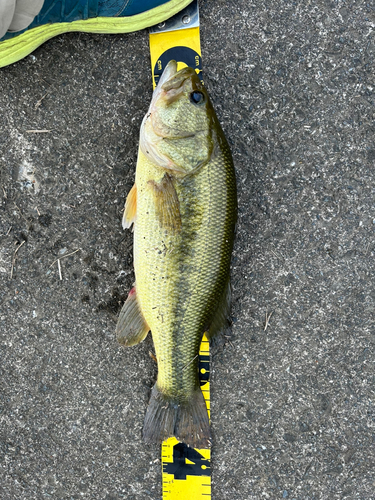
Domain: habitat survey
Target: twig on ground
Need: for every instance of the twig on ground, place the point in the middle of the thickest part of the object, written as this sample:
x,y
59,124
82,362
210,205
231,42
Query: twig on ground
x,y
63,256
42,131
14,258
59,266
267,322
40,101
275,254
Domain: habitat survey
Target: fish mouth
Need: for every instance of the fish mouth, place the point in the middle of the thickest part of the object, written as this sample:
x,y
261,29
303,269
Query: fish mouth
x,y
170,84
169,72
173,79
176,80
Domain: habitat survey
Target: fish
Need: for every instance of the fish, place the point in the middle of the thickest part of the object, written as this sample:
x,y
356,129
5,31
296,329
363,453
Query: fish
x,y
183,209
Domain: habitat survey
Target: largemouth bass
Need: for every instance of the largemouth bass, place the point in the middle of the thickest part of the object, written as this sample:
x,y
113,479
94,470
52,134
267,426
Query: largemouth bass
x,y
183,206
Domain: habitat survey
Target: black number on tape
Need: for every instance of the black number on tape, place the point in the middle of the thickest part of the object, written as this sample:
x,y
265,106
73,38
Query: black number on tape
x,y
200,466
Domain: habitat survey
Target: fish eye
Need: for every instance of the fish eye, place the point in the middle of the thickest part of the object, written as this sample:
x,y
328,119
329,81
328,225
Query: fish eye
x,y
197,97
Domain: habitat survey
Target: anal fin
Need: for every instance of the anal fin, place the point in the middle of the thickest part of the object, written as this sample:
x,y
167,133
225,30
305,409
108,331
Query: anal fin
x,y
130,211
131,326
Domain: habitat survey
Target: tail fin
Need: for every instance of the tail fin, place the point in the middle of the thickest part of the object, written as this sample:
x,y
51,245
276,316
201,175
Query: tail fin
x,y
187,421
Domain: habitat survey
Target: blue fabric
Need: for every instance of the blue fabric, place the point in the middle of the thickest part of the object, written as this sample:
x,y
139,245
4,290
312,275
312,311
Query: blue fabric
x,y
111,8
66,11
137,6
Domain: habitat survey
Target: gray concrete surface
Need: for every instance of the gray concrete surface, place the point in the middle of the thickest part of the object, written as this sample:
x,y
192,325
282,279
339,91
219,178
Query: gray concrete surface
x,y
292,405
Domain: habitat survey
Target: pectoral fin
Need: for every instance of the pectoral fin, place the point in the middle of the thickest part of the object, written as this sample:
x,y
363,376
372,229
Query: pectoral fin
x,y
131,326
167,205
220,323
130,212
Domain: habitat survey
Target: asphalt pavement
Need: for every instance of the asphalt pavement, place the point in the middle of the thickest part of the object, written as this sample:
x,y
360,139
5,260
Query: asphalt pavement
x,y
293,391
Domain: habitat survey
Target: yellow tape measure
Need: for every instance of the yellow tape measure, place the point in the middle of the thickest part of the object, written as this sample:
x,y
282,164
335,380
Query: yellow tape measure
x,y
182,46
178,39
186,471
